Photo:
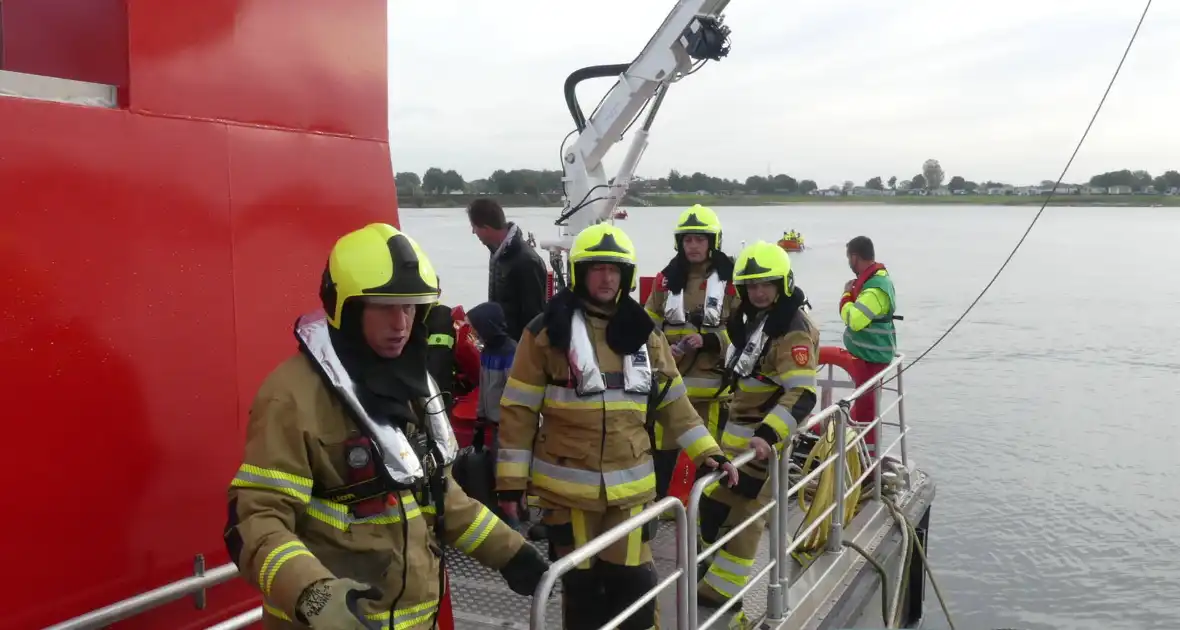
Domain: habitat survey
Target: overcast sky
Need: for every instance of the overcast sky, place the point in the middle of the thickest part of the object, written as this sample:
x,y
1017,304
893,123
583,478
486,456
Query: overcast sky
x,y
821,89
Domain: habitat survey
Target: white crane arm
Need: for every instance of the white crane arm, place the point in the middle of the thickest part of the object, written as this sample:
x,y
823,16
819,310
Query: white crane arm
x,y
692,32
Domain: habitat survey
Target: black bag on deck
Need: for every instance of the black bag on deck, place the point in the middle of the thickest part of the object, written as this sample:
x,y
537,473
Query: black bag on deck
x,y
475,470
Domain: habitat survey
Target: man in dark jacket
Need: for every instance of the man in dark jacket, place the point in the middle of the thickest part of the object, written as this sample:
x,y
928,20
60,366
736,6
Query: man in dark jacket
x,y
517,276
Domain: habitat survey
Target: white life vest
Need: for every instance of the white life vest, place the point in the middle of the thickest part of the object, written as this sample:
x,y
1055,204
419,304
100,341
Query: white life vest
x,y
750,354
584,372
397,455
675,315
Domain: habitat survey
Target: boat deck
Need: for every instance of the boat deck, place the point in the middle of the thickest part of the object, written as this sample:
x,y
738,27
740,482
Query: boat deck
x,y
834,591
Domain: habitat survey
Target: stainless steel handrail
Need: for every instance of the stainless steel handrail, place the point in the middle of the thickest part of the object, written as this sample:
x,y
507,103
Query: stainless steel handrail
x,y
595,546
695,554
154,598
778,602
687,554
244,620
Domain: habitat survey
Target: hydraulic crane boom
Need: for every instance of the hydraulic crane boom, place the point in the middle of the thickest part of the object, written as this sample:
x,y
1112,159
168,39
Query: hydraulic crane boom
x,y
692,34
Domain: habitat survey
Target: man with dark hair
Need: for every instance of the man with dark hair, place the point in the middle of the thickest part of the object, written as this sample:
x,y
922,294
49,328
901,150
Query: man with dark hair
x,y
517,276
867,309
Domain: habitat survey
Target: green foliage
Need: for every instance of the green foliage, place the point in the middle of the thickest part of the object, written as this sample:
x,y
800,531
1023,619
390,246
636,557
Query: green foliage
x,y
531,182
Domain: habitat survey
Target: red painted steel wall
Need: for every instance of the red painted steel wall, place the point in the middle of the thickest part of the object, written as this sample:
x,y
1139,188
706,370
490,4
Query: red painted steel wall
x,y
301,64
152,263
83,40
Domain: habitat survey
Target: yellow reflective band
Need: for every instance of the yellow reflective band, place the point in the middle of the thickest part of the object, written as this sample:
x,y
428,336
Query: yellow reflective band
x,y
655,317
441,340
586,484
271,609
275,560
703,388
714,419
676,391
673,331
581,533
570,482
513,462
339,516
250,476
804,378
477,532
634,540
631,482
755,386
696,441
520,394
728,573
737,436
609,400
781,420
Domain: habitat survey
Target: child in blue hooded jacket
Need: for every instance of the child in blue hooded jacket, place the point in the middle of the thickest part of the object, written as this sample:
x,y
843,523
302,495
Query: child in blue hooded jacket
x,y
495,361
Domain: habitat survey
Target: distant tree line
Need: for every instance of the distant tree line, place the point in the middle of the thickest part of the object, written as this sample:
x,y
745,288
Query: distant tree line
x,y
436,181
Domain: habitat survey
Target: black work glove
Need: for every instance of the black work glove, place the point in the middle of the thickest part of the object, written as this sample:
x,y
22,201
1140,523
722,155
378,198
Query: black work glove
x,y
523,572
721,463
335,605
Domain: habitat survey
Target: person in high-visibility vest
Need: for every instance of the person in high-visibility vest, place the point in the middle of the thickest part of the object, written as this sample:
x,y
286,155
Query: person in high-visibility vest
x,y
772,366
868,309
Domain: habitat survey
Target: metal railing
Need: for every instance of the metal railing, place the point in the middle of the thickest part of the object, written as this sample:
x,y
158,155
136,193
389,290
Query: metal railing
x,y
688,556
685,586
191,586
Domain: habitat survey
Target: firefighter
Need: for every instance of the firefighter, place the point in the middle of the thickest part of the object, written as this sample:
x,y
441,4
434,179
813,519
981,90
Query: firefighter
x,y
345,497
691,299
772,366
595,366
440,352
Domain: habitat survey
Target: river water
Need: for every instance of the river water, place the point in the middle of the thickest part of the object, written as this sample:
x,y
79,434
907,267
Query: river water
x,y
1045,417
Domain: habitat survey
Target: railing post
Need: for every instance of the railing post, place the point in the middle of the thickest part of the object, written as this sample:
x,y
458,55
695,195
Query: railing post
x,y
784,500
199,600
774,594
836,537
905,454
686,583
692,557
875,457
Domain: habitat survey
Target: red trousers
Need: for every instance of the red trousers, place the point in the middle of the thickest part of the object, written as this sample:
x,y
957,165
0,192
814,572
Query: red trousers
x,y
864,409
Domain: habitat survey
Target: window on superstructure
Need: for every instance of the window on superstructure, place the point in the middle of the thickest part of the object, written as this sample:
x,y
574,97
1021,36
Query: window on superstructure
x,y
81,40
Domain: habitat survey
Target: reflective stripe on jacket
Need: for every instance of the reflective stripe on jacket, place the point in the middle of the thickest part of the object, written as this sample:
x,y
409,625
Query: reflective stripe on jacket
x,y
781,393
284,538
870,334
590,451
